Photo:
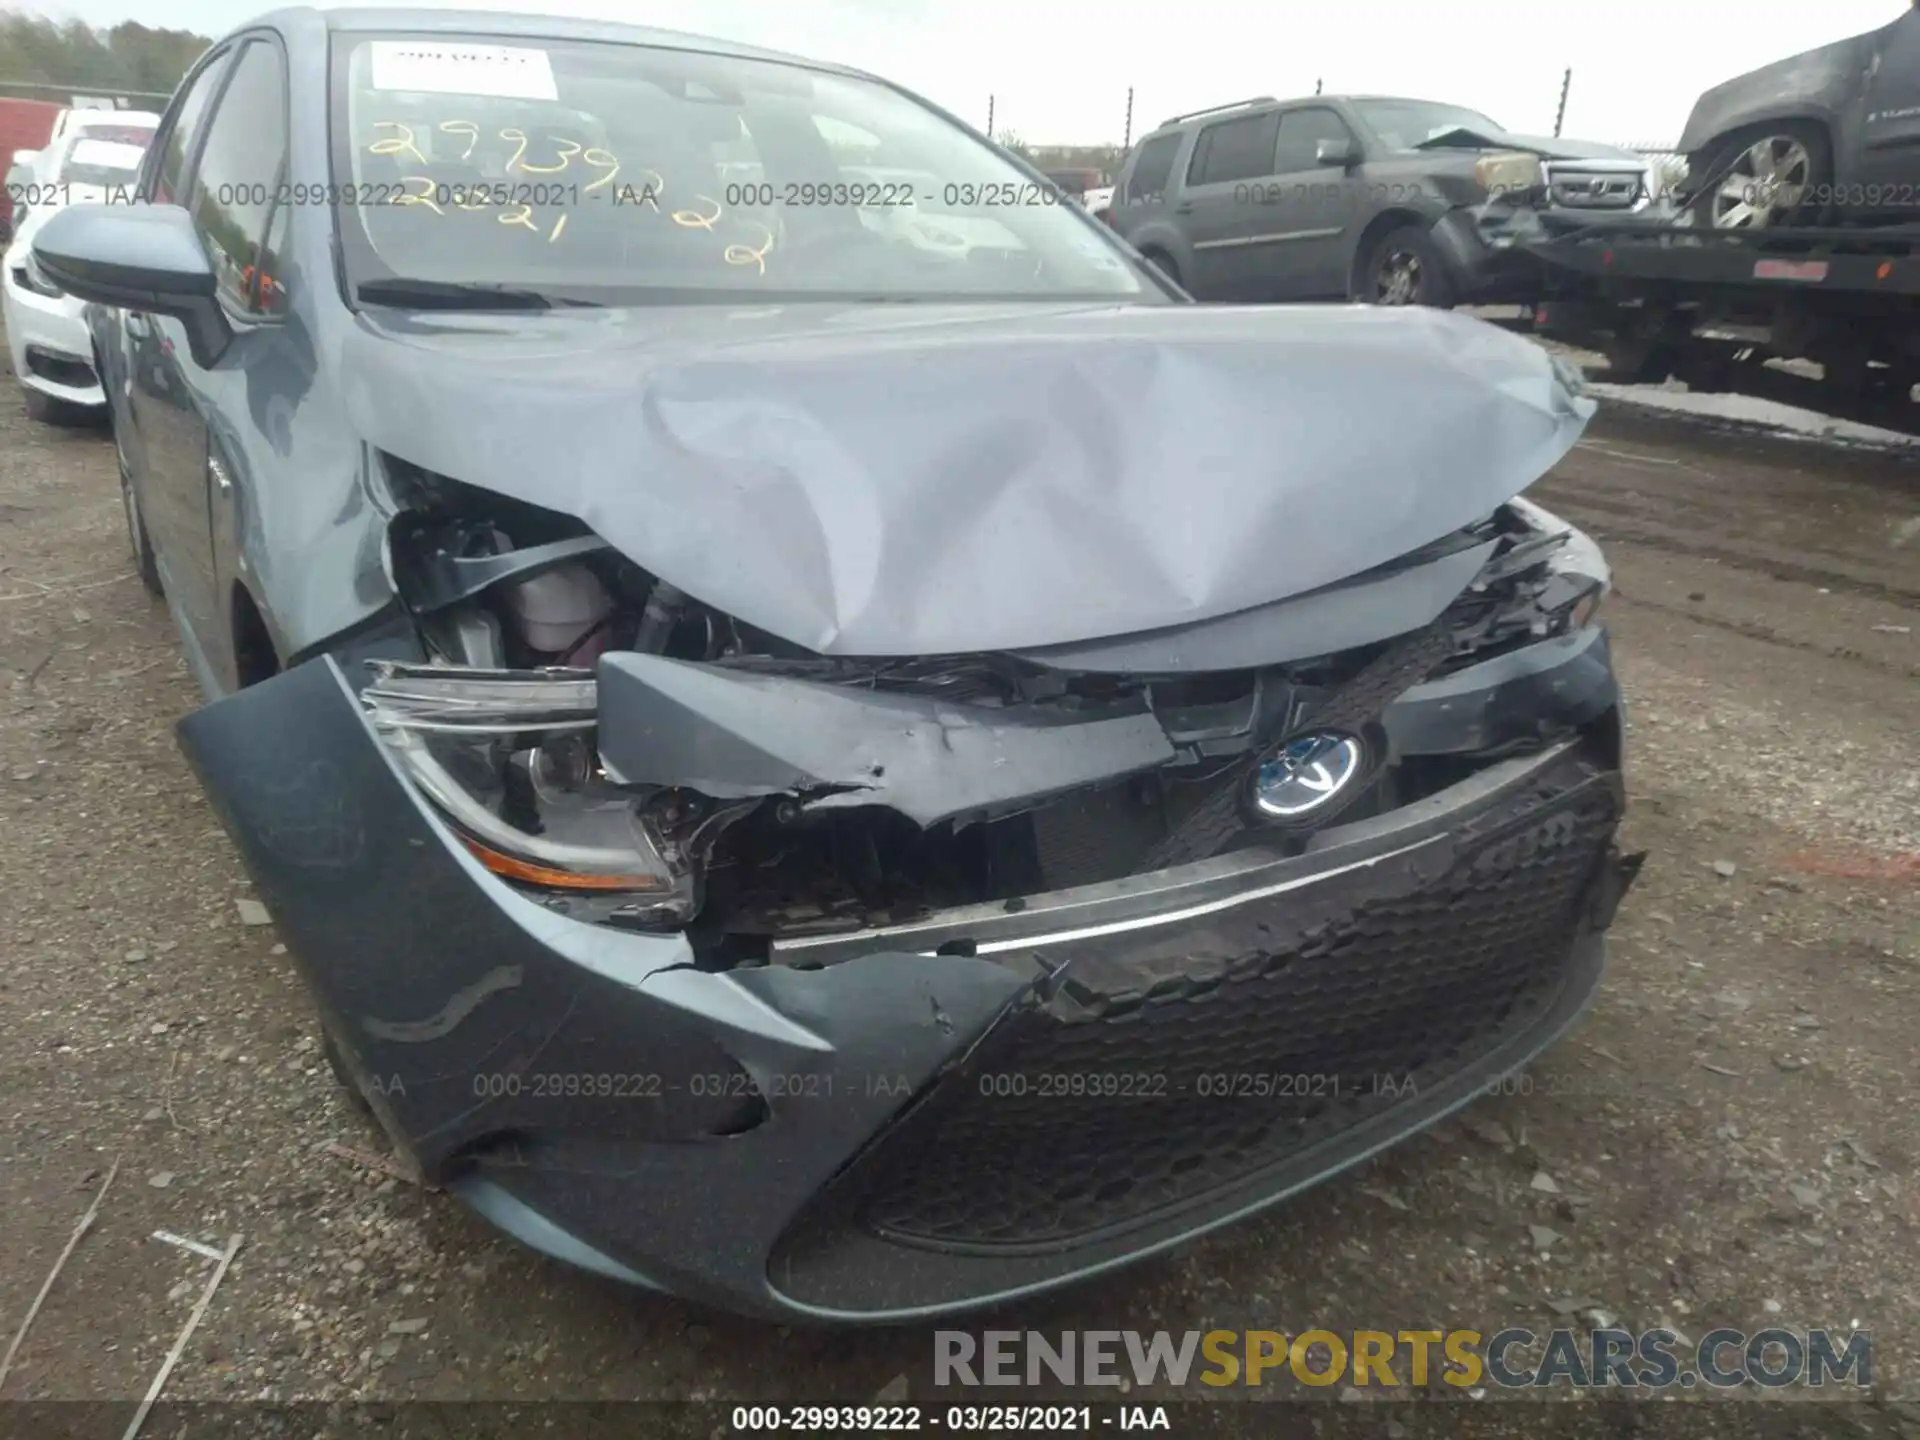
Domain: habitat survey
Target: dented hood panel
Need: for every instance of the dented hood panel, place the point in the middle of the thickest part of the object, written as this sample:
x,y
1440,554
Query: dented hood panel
x,y
917,480
1550,147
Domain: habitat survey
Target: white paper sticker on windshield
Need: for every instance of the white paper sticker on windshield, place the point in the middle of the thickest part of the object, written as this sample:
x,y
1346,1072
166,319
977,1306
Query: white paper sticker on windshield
x,y
506,71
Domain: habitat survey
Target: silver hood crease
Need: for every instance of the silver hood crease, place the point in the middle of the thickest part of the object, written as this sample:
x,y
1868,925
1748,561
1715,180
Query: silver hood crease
x,y
927,480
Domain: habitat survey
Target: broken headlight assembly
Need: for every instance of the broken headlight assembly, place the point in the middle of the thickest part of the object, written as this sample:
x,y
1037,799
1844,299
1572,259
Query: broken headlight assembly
x,y
28,275
508,759
1575,580
1509,174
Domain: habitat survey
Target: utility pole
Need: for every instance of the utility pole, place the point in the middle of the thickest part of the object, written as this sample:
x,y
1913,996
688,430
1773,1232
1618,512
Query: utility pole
x,y
1127,144
990,117
1566,84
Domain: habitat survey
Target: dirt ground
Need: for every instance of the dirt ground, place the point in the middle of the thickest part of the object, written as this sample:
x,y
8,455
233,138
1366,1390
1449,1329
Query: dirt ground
x,y
1731,1132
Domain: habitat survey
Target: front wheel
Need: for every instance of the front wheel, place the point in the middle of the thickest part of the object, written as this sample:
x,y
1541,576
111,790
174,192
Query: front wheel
x,y
1405,267
1768,176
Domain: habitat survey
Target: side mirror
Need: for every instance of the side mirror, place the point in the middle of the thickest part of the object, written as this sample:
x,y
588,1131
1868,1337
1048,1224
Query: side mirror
x,y
1334,153
25,157
137,257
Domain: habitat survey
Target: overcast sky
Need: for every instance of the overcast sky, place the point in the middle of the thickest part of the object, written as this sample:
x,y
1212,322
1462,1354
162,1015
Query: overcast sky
x,y
1059,69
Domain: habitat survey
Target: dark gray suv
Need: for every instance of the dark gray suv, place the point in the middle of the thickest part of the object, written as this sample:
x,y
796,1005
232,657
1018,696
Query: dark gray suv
x,y
1372,198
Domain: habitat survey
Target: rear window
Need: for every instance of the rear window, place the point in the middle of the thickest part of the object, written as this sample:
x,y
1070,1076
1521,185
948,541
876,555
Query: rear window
x,y
110,164
120,134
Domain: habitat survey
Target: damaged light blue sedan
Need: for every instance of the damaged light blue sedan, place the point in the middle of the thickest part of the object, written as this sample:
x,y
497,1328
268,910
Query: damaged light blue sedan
x,y
825,740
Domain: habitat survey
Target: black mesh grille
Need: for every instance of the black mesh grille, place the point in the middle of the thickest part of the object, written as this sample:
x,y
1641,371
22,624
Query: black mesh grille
x,y
1164,1068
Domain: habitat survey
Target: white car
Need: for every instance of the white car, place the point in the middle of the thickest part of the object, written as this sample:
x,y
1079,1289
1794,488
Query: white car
x,y
47,333
1098,201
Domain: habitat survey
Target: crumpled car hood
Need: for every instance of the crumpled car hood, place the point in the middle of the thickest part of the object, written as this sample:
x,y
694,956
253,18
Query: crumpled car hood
x,y
923,480
1550,147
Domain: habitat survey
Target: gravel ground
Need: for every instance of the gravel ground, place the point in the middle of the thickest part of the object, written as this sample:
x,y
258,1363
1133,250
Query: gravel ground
x,y
1729,1133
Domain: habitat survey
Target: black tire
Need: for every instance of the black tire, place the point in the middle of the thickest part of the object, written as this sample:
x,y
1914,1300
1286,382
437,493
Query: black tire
x,y
137,538
1405,267
1162,262
1849,375
1715,156
1638,360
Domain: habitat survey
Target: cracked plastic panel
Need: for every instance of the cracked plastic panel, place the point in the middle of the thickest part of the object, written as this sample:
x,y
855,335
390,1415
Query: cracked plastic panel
x,y
730,734
463,1006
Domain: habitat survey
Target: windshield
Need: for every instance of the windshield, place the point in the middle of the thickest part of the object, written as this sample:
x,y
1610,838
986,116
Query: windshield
x,y
1406,124
613,173
112,164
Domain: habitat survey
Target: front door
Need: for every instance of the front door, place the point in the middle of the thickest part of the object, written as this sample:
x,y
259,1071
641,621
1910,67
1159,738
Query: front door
x,y
228,189
166,441
1306,250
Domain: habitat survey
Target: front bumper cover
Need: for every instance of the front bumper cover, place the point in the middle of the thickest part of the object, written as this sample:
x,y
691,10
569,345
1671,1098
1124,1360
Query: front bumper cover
x,y
1490,247
53,327
770,1140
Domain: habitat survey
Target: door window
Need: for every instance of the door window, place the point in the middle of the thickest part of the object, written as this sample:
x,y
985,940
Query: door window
x,y
1231,150
169,180
239,171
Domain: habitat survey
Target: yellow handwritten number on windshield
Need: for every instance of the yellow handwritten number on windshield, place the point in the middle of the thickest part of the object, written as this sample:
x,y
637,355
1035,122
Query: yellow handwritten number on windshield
x,y
425,197
605,160
694,220
462,127
401,144
565,149
737,254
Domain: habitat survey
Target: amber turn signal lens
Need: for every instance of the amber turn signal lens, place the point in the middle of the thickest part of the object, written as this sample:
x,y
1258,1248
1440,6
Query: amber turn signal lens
x,y
509,867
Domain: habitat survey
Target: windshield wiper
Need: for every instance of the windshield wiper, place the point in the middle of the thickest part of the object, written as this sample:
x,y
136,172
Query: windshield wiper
x,y
449,295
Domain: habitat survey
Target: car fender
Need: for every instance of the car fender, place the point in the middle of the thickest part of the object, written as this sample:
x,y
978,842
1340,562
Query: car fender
x,y
1818,85
1156,230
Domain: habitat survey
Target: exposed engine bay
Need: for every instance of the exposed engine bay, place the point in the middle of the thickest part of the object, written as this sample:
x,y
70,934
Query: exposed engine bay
x,y
626,754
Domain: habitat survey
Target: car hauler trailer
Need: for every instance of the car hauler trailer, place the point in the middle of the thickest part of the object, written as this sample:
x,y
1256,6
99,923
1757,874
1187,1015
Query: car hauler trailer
x,y
1664,299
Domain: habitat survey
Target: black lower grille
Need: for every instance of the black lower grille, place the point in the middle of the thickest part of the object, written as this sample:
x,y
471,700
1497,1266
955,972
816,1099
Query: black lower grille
x,y
60,369
1172,1062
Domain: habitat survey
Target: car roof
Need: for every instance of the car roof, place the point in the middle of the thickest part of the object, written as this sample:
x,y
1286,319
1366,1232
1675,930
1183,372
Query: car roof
x,y
1227,112
519,24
